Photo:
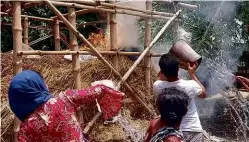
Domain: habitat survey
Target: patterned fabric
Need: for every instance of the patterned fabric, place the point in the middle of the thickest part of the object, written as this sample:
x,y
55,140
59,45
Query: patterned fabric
x,y
55,121
193,136
164,133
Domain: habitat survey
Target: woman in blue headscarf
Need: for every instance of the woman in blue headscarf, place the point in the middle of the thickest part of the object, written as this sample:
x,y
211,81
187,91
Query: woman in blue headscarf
x,y
48,118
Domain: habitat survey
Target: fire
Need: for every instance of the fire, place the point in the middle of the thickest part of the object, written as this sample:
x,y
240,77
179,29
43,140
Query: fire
x,y
98,40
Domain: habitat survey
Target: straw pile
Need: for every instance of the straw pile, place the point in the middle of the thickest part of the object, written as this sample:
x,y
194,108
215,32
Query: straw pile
x,y
59,77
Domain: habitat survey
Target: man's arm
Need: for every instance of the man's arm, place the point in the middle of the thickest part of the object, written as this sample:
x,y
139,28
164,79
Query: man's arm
x,y
191,71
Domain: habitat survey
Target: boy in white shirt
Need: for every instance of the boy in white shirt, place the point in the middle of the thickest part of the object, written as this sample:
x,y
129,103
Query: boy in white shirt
x,y
168,77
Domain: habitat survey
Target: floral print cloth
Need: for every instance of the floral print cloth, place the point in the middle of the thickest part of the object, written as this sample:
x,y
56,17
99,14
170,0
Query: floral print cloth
x,y
55,121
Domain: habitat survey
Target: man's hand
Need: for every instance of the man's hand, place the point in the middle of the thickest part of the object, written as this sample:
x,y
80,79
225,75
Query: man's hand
x,y
192,69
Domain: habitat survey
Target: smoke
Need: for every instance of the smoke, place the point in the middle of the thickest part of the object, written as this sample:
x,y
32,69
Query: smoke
x,y
127,28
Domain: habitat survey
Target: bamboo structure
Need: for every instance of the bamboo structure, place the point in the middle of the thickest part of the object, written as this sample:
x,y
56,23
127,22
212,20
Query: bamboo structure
x,y
108,10
128,73
90,6
74,47
113,37
112,5
57,35
26,31
147,62
17,46
100,57
39,52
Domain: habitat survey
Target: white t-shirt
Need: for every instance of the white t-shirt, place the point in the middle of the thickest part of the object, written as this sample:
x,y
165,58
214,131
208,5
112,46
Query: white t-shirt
x,y
190,121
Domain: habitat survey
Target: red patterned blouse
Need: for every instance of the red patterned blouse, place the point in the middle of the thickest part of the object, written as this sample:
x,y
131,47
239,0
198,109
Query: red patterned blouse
x,y
55,121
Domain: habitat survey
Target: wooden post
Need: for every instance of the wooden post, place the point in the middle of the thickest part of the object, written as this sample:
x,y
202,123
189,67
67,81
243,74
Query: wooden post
x,y
17,46
75,58
74,47
96,52
147,59
26,31
57,35
113,37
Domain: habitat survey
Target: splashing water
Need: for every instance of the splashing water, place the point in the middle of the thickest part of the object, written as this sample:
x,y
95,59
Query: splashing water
x,y
131,132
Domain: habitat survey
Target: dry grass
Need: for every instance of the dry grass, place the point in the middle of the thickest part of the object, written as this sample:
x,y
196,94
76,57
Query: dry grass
x,y
58,75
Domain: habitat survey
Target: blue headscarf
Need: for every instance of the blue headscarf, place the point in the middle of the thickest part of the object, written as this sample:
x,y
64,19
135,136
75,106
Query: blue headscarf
x,y
27,92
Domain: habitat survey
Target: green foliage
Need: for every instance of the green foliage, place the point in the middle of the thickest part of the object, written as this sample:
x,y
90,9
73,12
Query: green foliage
x,y
47,44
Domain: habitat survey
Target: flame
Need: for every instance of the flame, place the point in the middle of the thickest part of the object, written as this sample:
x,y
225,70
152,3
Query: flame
x,y
98,40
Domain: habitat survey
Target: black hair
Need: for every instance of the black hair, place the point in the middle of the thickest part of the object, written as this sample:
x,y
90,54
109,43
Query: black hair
x,y
169,65
172,105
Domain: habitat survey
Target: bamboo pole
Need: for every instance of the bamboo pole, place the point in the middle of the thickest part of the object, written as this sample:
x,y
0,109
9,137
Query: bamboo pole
x,y
113,37
147,59
57,35
74,47
26,31
107,10
79,12
17,45
31,17
112,5
90,124
100,57
41,53
160,33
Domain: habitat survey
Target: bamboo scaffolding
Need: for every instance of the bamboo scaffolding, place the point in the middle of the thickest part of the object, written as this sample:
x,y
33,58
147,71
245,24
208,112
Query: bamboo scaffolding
x,y
107,10
113,37
17,45
111,5
79,12
26,31
75,58
160,33
30,17
39,52
100,57
74,47
147,59
57,35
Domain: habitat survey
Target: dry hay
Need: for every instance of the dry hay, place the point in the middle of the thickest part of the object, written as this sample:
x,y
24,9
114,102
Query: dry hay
x,y
58,75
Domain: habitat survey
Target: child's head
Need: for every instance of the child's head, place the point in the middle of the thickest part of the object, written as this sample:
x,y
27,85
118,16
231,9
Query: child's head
x,y
172,105
169,65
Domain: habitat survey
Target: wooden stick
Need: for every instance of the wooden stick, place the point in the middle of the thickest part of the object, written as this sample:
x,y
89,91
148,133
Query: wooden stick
x,y
17,45
39,52
31,17
147,59
79,12
74,47
90,124
57,35
113,37
108,10
100,57
111,5
26,31
160,33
